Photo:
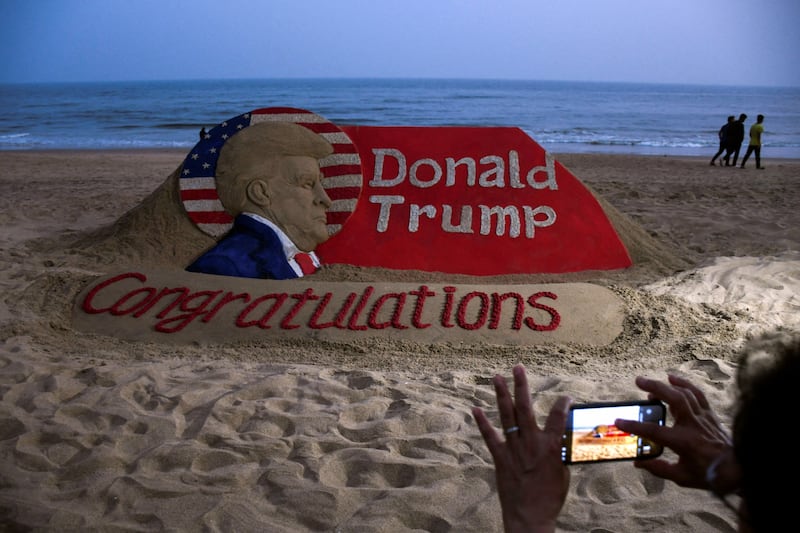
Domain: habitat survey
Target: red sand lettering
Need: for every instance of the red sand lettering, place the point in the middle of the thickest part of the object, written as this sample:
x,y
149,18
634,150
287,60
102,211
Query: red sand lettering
x,y
180,306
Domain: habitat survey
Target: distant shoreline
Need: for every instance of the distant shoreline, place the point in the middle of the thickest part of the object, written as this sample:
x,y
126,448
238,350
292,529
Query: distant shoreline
x,y
181,153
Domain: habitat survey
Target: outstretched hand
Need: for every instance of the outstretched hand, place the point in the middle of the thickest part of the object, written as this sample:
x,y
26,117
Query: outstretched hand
x,y
532,481
704,448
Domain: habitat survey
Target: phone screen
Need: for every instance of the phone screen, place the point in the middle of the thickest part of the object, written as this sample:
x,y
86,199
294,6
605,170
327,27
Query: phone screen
x,y
592,437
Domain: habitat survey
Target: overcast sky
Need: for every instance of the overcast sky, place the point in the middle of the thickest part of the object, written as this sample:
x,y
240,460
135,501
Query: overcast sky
x,y
730,42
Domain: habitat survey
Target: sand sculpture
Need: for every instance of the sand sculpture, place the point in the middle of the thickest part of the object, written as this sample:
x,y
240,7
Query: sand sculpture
x,y
193,213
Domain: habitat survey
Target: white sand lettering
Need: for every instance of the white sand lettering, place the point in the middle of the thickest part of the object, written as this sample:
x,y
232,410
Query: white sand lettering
x,y
495,171
493,219
427,172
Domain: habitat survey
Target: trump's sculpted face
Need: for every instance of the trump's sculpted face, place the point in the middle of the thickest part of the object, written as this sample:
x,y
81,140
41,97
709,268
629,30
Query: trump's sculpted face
x,y
297,201
273,170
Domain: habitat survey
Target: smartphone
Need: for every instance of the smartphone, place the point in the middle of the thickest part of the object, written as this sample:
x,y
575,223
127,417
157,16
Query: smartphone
x,y
592,437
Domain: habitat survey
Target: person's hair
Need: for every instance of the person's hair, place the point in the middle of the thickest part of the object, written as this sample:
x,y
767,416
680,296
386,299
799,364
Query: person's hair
x,y
742,116
261,144
763,428
760,118
731,118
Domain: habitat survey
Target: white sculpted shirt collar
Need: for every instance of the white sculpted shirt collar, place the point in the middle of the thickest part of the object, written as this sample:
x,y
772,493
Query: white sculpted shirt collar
x,y
289,248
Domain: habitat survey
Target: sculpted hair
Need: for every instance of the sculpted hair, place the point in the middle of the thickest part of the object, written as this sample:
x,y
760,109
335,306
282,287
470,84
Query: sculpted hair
x,y
767,378
261,144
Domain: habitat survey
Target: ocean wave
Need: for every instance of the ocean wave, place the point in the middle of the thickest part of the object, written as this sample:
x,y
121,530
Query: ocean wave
x,y
14,140
28,142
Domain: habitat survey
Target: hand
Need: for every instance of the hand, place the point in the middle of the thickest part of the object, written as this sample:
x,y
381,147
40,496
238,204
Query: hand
x,y
696,436
532,481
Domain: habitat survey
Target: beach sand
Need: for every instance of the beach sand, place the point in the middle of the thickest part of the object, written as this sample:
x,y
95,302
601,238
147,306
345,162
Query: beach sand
x,y
100,434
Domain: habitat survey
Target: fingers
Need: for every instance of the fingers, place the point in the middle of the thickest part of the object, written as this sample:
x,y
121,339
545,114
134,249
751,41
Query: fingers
x,y
490,436
666,436
499,446
679,398
677,390
516,414
675,472
657,389
634,427
556,422
684,383
505,404
523,413
659,468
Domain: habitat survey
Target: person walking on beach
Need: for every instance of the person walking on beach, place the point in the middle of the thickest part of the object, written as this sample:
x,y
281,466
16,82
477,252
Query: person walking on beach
x,y
735,134
755,142
723,139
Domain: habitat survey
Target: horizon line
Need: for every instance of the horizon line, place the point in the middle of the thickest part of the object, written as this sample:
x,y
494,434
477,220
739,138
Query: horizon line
x,y
393,78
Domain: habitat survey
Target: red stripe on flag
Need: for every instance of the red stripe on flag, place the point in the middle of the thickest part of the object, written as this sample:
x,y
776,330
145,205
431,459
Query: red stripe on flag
x,y
340,170
345,148
199,194
339,193
320,127
211,217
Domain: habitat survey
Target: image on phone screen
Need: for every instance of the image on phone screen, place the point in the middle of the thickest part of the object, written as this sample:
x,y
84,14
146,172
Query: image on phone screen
x,y
591,435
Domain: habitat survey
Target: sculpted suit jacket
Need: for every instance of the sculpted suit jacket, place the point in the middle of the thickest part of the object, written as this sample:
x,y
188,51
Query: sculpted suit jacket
x,y
251,249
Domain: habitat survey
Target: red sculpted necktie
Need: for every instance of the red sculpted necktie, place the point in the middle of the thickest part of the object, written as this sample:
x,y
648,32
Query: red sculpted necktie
x,y
306,263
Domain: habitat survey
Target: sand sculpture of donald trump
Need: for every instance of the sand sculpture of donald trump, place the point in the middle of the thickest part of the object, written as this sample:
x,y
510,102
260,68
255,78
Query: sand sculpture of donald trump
x,y
268,178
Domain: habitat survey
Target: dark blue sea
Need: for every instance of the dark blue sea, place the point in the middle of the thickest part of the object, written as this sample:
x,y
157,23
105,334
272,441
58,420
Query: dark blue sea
x,y
564,117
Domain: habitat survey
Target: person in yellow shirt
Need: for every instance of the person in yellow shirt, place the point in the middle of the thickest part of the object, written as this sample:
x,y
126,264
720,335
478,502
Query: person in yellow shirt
x,y
755,142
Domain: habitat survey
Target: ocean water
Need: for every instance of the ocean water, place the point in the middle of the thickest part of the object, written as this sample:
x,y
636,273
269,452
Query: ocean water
x,y
564,117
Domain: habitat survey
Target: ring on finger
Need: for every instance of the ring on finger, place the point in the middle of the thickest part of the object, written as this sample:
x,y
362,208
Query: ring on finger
x,y
512,429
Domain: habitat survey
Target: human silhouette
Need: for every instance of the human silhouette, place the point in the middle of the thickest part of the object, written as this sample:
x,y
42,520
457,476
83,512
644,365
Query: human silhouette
x,y
723,139
735,136
755,142
202,133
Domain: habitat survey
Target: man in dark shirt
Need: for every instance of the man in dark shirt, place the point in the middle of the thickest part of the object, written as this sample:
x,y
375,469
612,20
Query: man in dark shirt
x,y
735,140
723,139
